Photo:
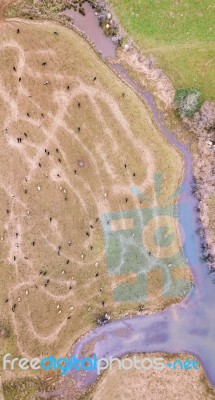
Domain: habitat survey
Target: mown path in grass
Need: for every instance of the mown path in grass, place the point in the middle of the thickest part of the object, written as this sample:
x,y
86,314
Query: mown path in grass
x,y
188,327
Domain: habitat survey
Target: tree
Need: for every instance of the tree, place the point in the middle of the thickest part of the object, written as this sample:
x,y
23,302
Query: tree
x,y
187,101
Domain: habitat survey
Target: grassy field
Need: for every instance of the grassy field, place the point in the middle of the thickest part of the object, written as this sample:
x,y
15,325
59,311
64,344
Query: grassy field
x,y
181,34
80,150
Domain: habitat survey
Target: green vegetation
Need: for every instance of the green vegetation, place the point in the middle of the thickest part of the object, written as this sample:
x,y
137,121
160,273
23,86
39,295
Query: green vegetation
x,y
187,101
46,9
181,34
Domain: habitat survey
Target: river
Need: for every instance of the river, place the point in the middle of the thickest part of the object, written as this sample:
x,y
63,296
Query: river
x,y
187,327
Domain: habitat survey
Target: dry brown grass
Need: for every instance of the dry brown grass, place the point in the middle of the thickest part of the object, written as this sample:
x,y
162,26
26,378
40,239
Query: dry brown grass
x,y
153,385
4,4
211,220
114,130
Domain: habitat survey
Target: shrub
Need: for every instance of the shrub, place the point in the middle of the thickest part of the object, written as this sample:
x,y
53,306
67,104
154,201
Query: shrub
x,y
187,101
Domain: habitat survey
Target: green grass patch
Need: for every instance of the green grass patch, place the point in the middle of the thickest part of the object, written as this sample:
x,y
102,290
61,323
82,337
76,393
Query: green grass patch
x,y
180,34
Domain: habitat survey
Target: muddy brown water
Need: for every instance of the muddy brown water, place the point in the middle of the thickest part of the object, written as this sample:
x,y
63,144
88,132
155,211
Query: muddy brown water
x,y
89,24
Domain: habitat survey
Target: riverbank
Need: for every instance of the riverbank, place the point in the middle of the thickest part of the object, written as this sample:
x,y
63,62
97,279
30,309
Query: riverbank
x,y
198,131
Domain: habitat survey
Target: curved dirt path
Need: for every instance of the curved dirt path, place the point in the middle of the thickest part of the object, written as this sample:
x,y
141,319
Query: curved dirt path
x,y
62,100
